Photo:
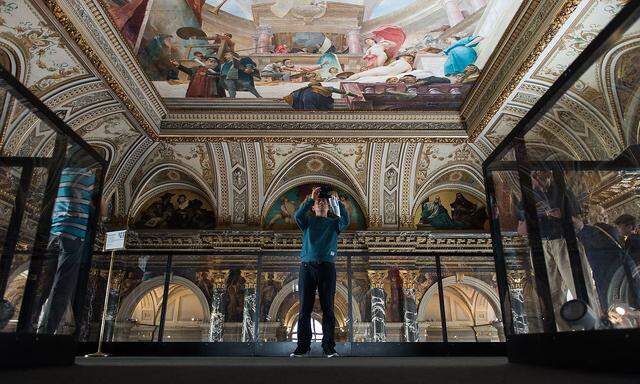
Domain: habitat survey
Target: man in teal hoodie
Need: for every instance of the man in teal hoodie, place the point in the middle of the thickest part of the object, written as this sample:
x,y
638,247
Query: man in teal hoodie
x,y
318,270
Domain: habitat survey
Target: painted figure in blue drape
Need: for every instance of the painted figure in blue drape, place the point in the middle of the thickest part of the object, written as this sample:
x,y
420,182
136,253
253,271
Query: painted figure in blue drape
x,y
461,54
314,97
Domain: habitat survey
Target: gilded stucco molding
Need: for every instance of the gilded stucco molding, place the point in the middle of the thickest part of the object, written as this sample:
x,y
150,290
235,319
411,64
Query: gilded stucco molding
x,y
487,104
102,69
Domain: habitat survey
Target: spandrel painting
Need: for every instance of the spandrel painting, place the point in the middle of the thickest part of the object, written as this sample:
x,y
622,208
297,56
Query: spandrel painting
x,y
175,209
452,210
281,214
315,55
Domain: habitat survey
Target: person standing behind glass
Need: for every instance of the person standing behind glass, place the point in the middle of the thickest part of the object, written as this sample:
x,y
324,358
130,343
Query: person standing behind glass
x,y
550,206
601,242
70,219
627,225
318,271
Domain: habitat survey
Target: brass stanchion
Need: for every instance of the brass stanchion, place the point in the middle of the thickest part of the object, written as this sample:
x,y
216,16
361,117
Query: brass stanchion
x,y
99,352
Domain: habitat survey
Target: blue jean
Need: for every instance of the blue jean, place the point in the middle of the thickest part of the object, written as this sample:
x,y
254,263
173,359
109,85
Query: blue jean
x,y
320,276
64,255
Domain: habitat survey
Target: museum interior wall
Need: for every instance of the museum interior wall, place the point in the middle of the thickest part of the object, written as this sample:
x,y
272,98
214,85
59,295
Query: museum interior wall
x,y
219,209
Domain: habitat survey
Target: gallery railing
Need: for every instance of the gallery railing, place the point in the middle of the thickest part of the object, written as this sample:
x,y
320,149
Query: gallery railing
x,y
243,302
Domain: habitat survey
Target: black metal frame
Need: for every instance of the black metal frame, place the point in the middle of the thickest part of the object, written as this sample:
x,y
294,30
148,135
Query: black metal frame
x,y
42,349
552,347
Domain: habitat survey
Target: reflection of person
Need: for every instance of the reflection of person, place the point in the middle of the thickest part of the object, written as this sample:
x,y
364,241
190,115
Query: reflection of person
x,y
631,240
204,78
69,224
602,247
314,97
460,54
404,63
550,206
318,271
238,73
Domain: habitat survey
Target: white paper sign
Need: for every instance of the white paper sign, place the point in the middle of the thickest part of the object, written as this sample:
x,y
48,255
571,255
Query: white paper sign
x,y
115,241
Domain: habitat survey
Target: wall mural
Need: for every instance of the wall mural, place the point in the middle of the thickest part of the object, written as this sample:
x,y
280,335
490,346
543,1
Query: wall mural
x,y
379,55
176,209
452,210
281,213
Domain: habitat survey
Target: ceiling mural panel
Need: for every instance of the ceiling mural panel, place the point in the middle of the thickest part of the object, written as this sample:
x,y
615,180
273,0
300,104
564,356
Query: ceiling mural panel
x,y
400,55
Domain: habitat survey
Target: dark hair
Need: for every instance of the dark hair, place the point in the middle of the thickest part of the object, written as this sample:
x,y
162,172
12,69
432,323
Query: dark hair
x,y
625,219
228,35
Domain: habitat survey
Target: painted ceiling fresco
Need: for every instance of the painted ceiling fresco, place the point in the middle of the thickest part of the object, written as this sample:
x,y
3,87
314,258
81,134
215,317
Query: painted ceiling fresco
x,y
315,55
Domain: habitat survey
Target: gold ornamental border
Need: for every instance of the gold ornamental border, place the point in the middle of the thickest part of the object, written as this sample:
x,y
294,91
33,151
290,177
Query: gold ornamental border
x,y
567,10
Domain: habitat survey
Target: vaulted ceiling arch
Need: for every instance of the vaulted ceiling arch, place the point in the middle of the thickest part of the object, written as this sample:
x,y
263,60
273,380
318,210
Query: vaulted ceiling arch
x,y
275,194
285,171
140,195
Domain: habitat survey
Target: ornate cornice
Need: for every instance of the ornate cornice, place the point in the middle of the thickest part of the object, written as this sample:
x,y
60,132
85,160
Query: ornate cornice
x,y
102,69
379,242
499,79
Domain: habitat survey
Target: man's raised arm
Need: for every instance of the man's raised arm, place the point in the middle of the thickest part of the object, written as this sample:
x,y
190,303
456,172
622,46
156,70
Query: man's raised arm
x,y
301,213
343,221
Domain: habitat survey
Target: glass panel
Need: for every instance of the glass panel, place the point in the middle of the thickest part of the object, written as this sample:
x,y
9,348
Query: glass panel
x,y
472,306
135,297
211,299
19,267
68,244
393,299
526,312
280,301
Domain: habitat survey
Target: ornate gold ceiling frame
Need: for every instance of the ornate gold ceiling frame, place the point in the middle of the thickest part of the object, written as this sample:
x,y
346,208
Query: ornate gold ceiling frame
x,y
495,103
363,136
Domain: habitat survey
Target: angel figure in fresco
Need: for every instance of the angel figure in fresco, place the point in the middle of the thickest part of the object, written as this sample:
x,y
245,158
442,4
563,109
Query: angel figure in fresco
x,y
287,210
383,46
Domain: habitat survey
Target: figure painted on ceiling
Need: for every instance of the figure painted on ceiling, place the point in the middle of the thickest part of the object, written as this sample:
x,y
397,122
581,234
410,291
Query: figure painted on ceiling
x,y
156,57
461,54
314,97
204,79
403,64
238,74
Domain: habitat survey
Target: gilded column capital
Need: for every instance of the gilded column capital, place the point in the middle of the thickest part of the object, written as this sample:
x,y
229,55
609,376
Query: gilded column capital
x,y
377,278
250,278
218,277
409,278
516,279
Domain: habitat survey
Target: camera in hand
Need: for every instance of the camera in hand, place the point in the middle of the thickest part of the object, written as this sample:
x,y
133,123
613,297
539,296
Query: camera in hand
x,y
325,192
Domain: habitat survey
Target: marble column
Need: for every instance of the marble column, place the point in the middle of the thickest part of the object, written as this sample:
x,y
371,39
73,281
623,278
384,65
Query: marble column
x,y
516,280
476,5
353,41
264,39
250,278
216,321
454,14
409,285
377,279
112,306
